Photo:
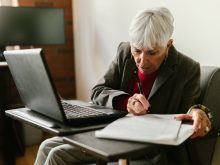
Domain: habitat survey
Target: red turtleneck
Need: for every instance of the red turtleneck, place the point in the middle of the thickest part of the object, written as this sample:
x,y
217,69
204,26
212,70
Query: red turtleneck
x,y
147,82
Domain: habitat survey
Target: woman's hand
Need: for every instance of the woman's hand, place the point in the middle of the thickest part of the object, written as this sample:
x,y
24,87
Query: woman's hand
x,y
138,104
201,122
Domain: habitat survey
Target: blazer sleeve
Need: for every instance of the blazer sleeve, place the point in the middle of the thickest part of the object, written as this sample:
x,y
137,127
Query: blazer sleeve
x,y
191,89
108,87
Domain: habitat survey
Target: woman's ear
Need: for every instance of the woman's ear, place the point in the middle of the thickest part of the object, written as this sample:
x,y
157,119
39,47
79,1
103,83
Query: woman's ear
x,y
170,43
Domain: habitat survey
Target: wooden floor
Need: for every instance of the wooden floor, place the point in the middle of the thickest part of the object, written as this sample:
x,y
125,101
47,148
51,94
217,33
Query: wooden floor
x,y
29,157
31,152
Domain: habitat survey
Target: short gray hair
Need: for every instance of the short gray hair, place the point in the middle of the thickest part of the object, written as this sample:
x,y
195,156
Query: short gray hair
x,y
151,27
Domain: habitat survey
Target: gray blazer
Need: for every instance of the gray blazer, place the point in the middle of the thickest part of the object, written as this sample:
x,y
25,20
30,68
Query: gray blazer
x,y
175,89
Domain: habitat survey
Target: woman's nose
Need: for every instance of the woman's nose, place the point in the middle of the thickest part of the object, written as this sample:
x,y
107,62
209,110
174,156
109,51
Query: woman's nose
x,y
141,59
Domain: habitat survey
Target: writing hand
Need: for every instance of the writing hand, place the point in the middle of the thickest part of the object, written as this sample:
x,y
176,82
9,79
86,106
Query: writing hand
x,y
138,104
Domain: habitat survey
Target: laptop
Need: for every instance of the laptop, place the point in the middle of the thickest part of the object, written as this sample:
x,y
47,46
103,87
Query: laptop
x,y
43,106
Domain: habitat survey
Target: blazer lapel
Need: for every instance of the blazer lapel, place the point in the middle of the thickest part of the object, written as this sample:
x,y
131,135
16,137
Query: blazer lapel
x,y
128,73
166,70
162,77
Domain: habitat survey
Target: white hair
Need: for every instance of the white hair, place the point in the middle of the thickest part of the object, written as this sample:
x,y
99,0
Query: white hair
x,y
151,27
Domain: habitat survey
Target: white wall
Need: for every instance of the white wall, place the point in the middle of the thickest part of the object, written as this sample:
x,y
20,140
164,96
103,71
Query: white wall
x,y
100,25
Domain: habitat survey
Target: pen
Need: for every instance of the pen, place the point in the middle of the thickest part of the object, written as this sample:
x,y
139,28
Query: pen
x,y
140,87
139,83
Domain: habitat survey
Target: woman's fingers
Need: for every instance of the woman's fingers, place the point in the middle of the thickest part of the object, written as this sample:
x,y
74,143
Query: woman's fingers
x,y
138,104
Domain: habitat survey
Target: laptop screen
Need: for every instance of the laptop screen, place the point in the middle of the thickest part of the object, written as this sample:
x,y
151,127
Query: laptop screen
x,y
34,83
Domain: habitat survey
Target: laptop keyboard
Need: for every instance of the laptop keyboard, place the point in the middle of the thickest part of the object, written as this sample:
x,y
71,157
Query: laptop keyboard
x,y
75,111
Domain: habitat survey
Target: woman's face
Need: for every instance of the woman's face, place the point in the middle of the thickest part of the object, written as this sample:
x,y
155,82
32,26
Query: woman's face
x,y
149,61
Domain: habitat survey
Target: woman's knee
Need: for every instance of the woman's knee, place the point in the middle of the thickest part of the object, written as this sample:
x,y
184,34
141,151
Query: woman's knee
x,y
67,154
54,156
63,154
49,144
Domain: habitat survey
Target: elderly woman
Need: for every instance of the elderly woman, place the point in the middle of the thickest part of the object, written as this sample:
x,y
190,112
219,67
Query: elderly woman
x,y
148,75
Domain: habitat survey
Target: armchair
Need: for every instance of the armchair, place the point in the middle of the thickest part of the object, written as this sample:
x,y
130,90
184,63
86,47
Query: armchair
x,y
206,150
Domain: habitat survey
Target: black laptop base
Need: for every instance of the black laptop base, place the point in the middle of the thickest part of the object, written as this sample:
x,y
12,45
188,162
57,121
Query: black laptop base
x,y
52,126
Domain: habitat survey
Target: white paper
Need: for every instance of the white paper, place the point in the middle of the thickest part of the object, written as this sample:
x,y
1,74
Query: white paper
x,y
153,128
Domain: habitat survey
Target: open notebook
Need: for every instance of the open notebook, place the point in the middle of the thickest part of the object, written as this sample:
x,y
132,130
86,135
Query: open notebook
x,y
151,128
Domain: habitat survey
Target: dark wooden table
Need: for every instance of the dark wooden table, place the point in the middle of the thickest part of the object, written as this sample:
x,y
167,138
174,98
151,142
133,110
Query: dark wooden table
x,y
105,150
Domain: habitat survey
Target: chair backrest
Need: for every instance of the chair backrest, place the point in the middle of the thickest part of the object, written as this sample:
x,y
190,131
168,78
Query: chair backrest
x,y
210,86
202,149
